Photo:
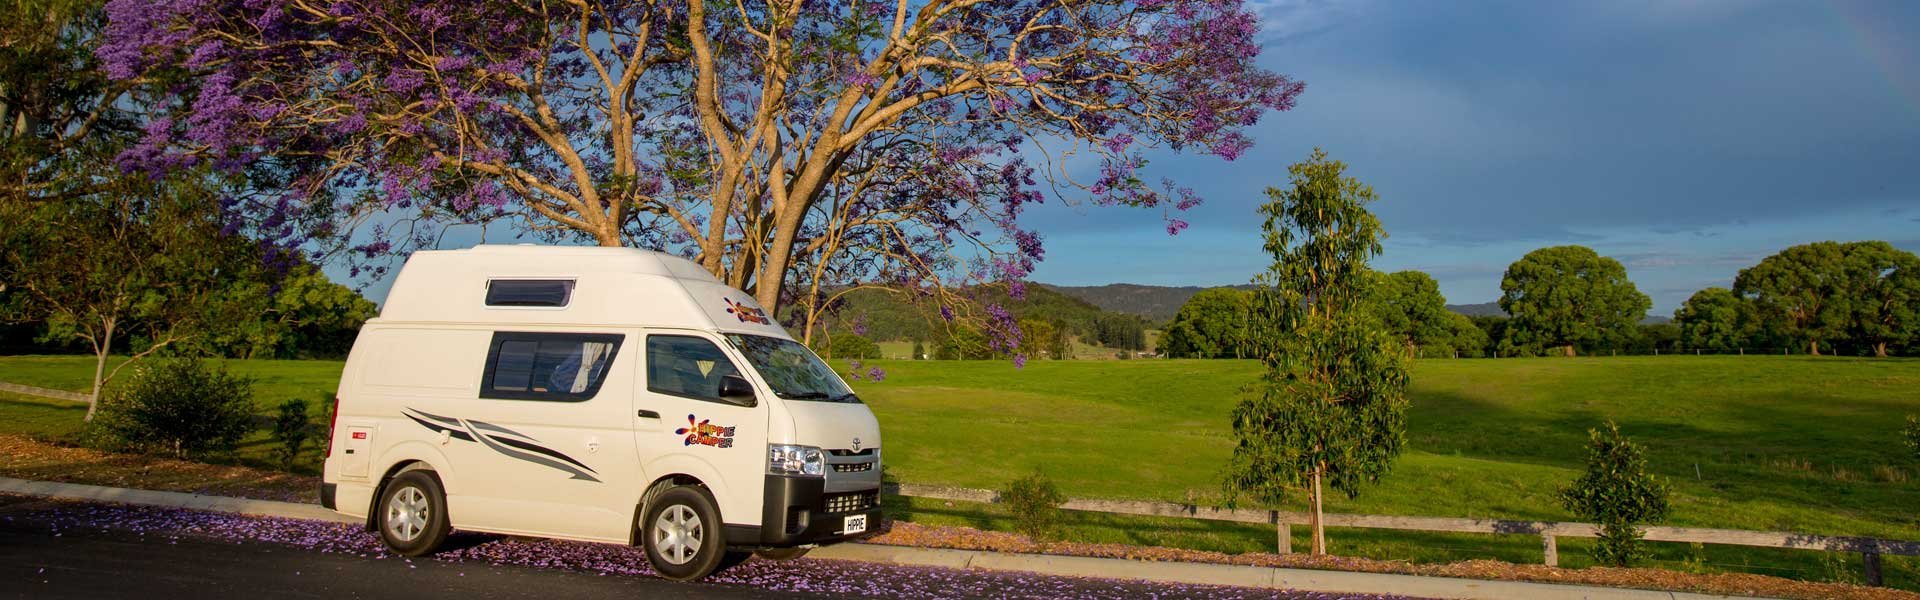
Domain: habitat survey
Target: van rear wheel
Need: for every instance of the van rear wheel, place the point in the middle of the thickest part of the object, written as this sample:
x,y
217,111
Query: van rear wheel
x,y
684,537
413,514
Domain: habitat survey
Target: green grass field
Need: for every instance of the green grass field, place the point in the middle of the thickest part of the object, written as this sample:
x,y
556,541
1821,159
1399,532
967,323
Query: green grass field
x,y
1780,443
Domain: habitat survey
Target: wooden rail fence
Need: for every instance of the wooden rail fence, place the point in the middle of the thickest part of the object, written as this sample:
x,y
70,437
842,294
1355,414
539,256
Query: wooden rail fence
x,y
1870,549
42,392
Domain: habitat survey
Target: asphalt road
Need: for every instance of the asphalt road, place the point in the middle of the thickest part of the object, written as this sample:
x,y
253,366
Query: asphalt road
x,y
120,564
57,550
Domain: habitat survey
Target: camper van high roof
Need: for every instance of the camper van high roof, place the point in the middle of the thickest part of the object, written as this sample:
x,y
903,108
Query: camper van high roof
x,y
529,284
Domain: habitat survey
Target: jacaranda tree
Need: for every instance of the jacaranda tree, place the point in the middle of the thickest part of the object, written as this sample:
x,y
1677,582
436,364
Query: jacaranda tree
x,y
787,146
1331,408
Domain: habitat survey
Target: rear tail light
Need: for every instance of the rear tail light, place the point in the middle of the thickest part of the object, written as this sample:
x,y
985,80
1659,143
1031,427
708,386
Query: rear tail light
x,y
333,419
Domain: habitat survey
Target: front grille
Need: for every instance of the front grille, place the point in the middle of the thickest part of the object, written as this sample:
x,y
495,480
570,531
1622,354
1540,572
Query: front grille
x,y
845,452
853,467
850,502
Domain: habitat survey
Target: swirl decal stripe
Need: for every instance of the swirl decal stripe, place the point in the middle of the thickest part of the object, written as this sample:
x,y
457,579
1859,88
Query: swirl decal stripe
x,y
495,438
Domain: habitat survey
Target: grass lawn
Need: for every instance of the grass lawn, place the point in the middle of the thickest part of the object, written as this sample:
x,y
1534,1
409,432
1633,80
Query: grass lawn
x,y
1787,443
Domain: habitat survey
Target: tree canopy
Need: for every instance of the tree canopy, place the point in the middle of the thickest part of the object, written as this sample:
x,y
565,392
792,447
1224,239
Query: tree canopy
x,y
1214,323
789,147
1821,293
1410,305
1567,297
1711,319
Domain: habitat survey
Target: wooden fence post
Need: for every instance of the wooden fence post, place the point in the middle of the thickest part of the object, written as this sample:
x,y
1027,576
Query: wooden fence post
x,y
1285,532
1872,561
1552,549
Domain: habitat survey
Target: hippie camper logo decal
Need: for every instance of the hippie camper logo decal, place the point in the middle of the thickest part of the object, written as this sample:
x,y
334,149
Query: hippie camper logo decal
x,y
747,314
706,433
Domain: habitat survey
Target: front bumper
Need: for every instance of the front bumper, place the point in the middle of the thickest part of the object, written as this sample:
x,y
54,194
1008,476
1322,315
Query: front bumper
x,y
798,511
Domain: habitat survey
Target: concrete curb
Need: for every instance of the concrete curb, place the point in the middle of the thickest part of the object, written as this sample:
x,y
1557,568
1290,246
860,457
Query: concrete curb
x,y
1071,566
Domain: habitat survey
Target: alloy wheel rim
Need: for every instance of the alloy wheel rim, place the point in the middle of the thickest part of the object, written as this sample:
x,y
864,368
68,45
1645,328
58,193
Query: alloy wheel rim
x,y
677,534
407,514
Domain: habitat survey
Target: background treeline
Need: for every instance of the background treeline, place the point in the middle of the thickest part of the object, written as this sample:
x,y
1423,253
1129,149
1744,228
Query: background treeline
x,y
1854,299
1051,323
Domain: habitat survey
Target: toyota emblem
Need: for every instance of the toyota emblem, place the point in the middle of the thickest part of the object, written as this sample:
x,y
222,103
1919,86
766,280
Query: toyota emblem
x,y
856,444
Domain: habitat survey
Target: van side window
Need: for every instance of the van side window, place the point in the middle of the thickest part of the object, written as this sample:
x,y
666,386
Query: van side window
x,y
529,292
565,367
686,366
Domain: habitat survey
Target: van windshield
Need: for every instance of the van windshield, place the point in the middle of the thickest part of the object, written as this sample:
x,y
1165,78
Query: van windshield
x,y
792,370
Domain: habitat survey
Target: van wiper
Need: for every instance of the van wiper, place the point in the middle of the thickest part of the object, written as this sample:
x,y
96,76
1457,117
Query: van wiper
x,y
807,396
848,398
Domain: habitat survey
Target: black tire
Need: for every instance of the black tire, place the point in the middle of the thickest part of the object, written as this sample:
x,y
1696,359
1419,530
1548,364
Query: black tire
x,y
683,534
413,503
781,553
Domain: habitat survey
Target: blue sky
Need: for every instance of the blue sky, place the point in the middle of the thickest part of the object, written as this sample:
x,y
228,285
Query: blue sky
x,y
1688,139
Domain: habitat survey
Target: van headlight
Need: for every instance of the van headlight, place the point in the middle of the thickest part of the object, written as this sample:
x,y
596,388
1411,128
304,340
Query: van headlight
x,y
786,459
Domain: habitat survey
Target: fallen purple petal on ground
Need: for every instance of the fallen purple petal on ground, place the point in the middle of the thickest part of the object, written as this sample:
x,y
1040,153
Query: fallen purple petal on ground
x,y
807,575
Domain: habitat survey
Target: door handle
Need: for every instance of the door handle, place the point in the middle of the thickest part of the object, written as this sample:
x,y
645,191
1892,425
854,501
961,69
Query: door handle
x,y
647,414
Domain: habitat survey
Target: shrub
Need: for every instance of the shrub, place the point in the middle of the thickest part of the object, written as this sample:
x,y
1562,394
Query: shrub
x,y
291,430
181,407
1913,436
1617,493
1035,504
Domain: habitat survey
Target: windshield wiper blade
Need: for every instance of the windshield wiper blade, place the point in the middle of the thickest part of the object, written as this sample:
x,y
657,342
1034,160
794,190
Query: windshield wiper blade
x,y
807,396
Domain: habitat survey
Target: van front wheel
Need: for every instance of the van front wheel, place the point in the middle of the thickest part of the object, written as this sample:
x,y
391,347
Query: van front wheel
x,y
413,514
683,535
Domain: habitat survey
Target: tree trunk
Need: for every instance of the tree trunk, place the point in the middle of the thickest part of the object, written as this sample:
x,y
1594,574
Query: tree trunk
x,y
1813,347
1319,525
1880,350
101,351
1569,350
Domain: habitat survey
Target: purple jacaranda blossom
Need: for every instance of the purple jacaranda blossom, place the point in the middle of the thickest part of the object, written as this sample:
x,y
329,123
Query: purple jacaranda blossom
x,y
354,97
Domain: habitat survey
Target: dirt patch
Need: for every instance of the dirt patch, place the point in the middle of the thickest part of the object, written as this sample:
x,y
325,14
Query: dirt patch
x,y
22,457
25,458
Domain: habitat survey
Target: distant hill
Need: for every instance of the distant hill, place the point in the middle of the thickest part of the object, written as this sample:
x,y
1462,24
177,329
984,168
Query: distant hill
x,y
1483,309
1156,302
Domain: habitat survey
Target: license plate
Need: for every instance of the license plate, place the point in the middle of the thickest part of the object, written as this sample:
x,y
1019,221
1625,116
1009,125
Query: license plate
x,y
854,524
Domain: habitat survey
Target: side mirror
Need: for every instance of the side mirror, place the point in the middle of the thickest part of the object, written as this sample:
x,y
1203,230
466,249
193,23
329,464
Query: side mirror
x,y
735,388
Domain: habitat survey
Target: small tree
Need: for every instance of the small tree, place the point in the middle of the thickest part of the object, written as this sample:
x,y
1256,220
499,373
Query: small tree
x,y
919,350
291,430
181,407
1035,504
1913,436
1331,407
133,272
1618,493
852,345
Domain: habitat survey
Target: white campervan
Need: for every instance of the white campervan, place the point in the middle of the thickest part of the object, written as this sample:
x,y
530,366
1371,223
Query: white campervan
x,y
601,394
